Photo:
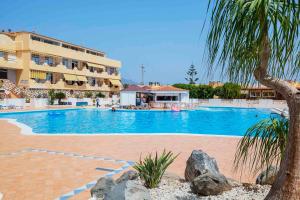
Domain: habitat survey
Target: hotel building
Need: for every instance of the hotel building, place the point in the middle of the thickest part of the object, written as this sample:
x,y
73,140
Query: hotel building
x,y
32,64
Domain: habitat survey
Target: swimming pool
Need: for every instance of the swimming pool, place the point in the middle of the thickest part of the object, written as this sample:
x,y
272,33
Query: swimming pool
x,y
206,120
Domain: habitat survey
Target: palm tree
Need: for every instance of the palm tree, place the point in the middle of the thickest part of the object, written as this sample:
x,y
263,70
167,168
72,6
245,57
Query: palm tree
x,y
263,144
260,39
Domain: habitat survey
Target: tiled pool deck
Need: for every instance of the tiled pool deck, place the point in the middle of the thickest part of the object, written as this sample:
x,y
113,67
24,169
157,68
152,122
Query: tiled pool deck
x,y
52,167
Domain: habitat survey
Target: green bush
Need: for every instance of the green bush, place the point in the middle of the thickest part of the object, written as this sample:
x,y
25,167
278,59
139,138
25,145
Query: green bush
x,y
51,95
88,94
151,169
60,96
197,91
228,91
100,95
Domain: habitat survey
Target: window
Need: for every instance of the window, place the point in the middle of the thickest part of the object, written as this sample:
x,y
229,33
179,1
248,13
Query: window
x,y
110,70
92,81
167,98
91,69
1,54
3,73
74,64
49,61
47,41
65,62
255,94
49,77
35,58
268,94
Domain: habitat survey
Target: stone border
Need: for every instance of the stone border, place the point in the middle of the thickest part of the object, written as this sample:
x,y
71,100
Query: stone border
x,y
126,164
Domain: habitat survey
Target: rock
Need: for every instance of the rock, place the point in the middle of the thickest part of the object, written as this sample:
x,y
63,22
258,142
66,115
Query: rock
x,y
102,187
129,175
234,183
210,184
128,190
200,163
267,177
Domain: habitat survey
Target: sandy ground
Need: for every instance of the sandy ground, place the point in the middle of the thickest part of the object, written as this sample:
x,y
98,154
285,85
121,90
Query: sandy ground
x,y
73,173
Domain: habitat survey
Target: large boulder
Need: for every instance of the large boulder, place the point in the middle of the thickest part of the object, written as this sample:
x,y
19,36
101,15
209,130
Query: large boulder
x,y
200,163
129,175
103,186
210,184
128,190
267,177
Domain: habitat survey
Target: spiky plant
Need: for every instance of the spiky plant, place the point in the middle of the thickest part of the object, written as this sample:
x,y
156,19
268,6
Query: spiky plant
x,y
263,145
151,169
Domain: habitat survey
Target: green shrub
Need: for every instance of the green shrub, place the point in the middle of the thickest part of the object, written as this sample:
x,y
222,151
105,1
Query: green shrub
x,y
51,95
151,169
197,91
100,95
60,96
88,94
228,91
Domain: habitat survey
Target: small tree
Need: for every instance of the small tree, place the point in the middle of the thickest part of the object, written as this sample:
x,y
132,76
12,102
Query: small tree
x,y
192,72
60,96
51,95
100,95
88,94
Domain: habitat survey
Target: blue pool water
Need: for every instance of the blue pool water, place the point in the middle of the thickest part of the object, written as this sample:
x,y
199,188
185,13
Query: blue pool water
x,y
216,121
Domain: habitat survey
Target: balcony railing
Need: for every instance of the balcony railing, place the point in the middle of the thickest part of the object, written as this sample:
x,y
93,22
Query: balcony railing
x,y
10,64
61,85
62,69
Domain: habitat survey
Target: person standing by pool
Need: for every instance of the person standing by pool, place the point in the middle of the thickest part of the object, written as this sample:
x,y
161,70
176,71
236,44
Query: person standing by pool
x,y
97,102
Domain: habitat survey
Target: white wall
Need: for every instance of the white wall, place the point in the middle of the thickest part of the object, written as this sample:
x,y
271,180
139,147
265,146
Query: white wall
x,y
185,97
127,98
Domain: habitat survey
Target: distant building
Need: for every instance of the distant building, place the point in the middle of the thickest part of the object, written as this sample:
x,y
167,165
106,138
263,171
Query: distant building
x,y
262,92
38,63
215,84
154,93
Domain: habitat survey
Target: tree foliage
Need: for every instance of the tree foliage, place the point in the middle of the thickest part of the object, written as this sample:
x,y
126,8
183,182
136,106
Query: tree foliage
x,y
263,144
191,75
197,91
228,91
236,32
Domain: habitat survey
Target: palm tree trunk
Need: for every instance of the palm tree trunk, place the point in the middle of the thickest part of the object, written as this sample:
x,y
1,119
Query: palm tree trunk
x,y
287,182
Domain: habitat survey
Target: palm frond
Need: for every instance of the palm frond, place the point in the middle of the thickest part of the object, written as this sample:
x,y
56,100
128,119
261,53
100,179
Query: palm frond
x,y
235,37
263,145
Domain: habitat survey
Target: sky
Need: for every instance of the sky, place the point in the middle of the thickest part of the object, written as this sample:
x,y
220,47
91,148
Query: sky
x,y
164,36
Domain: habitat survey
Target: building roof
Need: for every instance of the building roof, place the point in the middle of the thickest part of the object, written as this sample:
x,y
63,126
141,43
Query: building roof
x,y
51,38
165,88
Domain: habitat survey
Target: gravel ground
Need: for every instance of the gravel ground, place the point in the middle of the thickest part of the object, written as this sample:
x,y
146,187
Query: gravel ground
x,y
175,190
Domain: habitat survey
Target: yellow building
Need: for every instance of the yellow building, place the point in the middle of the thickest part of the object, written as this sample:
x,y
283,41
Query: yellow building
x,y
35,63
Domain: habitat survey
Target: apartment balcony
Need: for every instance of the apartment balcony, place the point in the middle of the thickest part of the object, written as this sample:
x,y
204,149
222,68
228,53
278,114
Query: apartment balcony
x,y
61,85
69,53
4,63
46,85
62,69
